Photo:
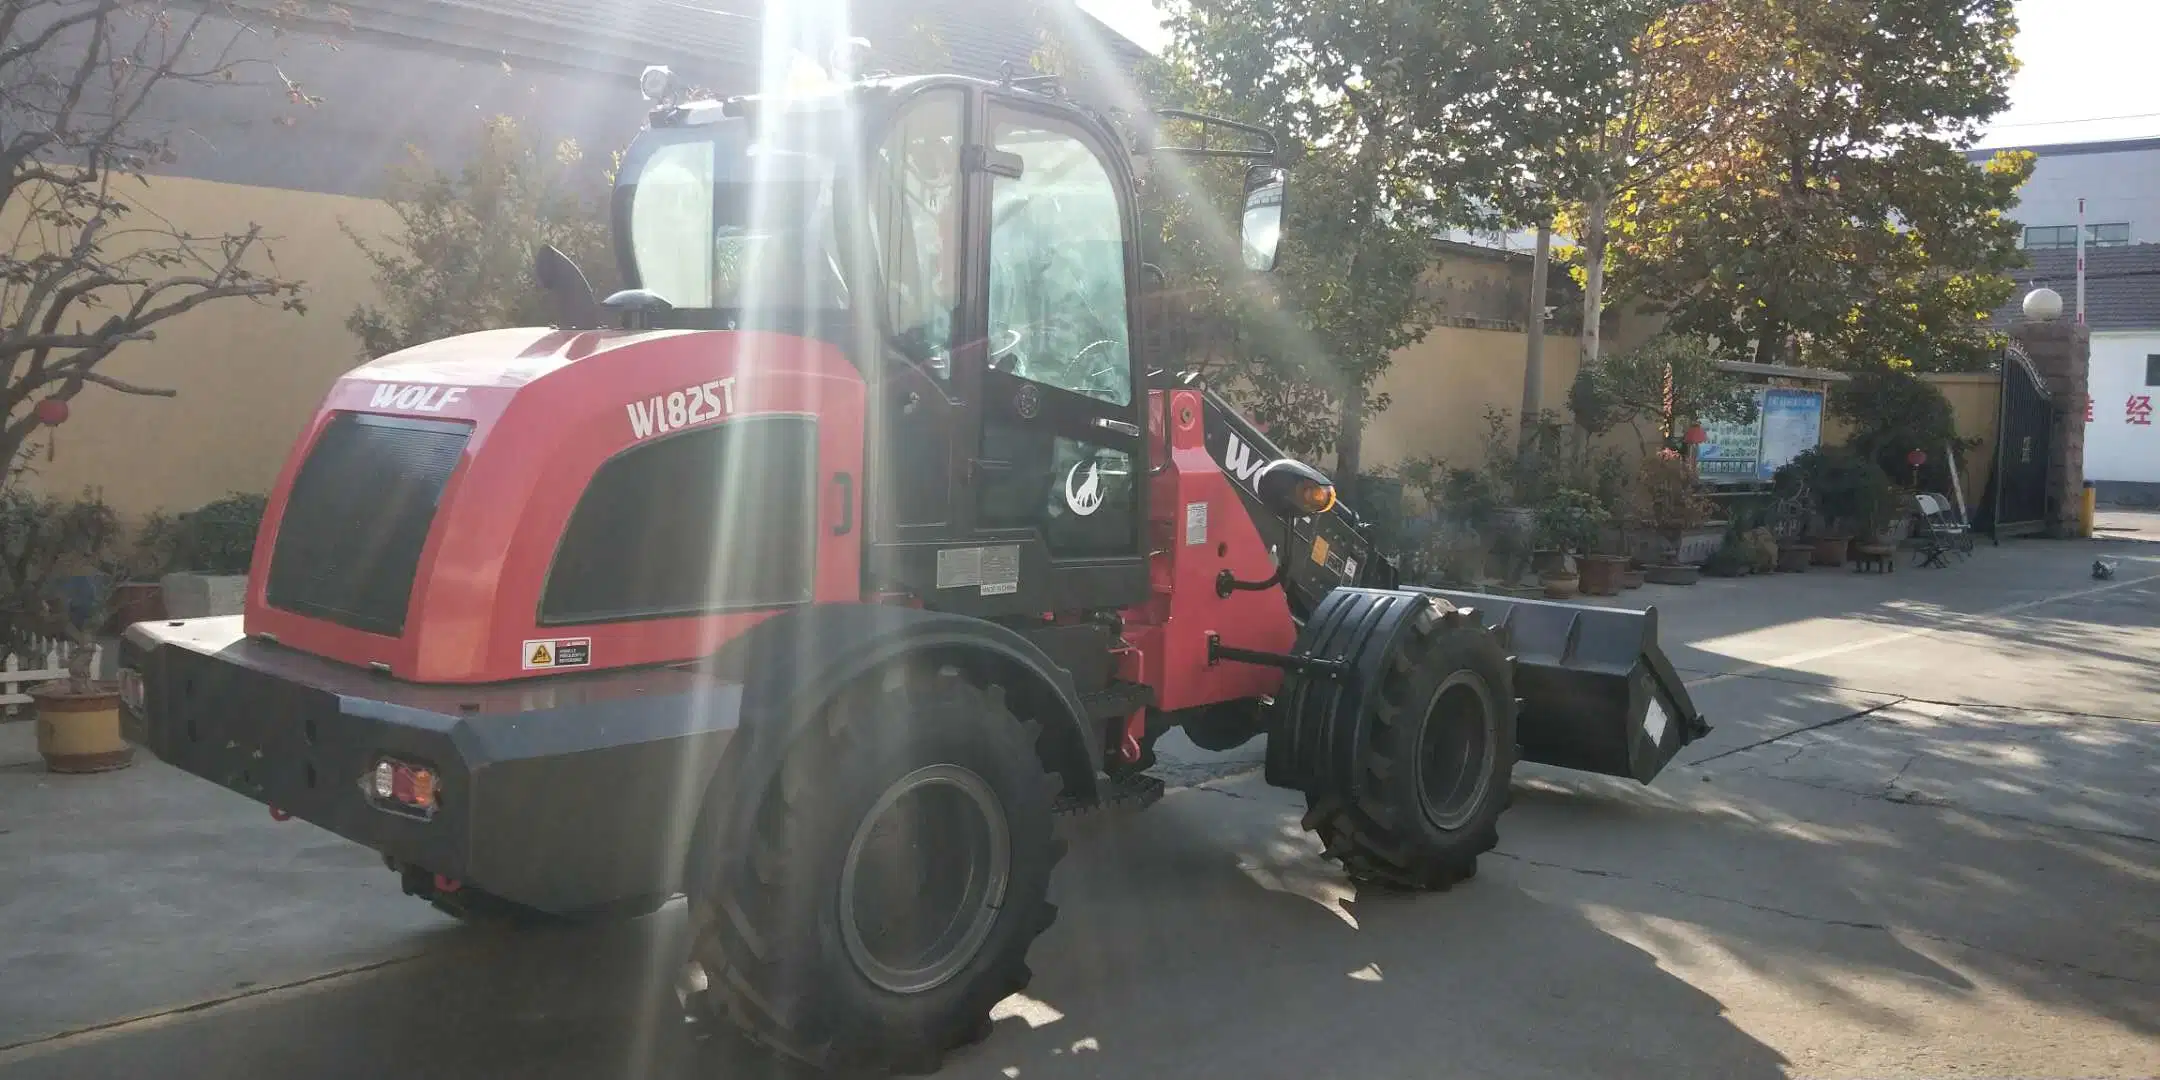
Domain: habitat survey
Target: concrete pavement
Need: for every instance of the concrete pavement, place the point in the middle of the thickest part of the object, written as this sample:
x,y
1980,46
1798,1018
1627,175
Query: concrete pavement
x,y
1923,841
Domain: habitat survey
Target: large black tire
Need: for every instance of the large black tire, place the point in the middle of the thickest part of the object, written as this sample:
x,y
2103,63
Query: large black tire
x,y
1438,758
778,952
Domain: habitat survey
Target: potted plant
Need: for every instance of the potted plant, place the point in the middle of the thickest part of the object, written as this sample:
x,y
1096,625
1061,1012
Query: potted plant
x,y
211,548
1846,488
1568,522
43,543
1879,507
1732,558
1673,508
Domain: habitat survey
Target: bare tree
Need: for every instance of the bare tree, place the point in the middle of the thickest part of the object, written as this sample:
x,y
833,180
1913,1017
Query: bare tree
x,y
87,267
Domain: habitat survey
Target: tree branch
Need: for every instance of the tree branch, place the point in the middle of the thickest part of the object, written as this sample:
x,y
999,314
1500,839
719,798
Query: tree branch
x,y
123,387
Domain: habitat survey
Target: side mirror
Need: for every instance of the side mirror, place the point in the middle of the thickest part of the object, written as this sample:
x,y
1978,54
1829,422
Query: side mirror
x,y
570,297
1261,228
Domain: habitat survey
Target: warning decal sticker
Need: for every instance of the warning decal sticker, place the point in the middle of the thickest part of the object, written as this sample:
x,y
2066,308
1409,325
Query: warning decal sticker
x,y
551,653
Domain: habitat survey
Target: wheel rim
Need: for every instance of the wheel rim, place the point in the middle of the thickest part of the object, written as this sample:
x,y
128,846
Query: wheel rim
x,y
925,878
1455,751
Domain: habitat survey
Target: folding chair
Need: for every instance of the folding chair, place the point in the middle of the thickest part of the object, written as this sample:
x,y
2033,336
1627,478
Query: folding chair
x,y
1941,533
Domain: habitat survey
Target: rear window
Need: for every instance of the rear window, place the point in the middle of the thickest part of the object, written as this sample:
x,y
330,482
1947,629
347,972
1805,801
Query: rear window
x,y
715,518
349,542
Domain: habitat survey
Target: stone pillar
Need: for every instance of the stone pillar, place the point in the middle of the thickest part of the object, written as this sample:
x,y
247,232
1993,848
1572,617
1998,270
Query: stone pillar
x,y
2061,351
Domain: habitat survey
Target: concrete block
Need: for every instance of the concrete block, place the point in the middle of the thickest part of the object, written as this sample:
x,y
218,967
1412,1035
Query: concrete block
x,y
189,595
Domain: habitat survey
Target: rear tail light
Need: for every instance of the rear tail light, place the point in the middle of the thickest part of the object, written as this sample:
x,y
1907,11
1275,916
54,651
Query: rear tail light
x,y
402,786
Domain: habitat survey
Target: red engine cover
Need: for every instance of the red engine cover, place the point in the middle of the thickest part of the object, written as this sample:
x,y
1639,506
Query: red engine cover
x,y
548,408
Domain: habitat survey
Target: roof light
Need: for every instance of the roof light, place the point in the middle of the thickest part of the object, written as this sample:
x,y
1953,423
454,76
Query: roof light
x,y
656,82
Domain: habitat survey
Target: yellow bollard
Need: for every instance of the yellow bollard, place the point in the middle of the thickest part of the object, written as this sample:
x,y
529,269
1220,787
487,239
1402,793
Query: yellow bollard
x,y
2086,511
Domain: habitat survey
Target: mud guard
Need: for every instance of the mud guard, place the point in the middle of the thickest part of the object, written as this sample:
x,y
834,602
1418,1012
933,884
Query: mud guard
x,y
1597,692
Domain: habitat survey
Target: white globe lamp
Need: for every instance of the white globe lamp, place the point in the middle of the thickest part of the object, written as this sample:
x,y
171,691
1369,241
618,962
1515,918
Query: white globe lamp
x,y
2043,305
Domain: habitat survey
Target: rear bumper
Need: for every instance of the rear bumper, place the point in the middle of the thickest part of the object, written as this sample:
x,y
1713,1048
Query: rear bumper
x,y
562,794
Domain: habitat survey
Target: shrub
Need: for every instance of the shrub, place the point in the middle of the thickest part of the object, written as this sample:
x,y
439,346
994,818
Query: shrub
x,y
1669,496
1851,493
215,538
1893,412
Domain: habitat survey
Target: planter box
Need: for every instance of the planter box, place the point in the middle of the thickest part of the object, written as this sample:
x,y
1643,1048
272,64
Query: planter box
x,y
1694,548
198,596
1672,575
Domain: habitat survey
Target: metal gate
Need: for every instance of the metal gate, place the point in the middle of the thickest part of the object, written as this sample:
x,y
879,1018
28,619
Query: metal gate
x,y
2017,498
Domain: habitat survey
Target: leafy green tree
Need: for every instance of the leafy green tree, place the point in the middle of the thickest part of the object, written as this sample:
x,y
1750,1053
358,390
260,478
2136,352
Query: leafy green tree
x,y
1400,106
1667,382
1644,92
1841,216
461,258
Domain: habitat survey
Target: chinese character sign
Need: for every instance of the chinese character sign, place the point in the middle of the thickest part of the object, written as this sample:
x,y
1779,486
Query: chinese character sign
x,y
2138,410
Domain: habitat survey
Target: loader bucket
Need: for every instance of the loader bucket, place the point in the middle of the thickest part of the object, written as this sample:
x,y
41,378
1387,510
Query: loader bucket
x,y
1597,693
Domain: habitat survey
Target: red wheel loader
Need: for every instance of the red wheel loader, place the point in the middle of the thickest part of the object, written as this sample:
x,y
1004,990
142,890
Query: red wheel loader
x,y
814,575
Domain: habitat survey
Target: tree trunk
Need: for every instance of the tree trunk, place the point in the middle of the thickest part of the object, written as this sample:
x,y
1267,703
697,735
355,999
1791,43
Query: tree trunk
x,y
79,673
1769,342
1596,238
1350,443
1533,388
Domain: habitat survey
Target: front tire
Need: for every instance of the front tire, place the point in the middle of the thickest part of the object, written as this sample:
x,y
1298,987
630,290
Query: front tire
x,y
1439,755
898,874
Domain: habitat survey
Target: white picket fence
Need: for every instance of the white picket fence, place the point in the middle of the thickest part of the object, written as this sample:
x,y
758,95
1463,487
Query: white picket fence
x,y
47,661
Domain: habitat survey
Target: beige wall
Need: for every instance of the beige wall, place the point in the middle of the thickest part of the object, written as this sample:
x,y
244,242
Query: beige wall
x,y
1974,399
1440,387
249,376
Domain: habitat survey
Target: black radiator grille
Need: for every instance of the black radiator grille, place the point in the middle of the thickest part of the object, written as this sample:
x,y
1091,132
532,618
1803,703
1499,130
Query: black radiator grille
x,y
349,543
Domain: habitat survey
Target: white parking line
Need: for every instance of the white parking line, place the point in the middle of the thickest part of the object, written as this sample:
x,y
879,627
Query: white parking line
x,y
1917,631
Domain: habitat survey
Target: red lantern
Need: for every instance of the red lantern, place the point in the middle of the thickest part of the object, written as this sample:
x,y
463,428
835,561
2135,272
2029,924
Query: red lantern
x,y
1916,458
52,412
1696,436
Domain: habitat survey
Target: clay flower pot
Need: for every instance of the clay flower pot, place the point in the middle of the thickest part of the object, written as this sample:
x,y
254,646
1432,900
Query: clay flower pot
x,y
1600,574
1830,550
1559,586
1794,558
1631,578
80,732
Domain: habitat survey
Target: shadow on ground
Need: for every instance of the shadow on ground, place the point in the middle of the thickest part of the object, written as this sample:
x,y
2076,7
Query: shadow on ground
x,y
1185,948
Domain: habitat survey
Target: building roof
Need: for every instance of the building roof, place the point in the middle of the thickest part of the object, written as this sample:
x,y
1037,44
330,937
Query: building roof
x,y
2122,286
2072,149
702,36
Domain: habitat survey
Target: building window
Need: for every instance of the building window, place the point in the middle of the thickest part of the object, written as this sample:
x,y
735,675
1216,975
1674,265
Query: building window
x,y
2152,371
2064,237
715,518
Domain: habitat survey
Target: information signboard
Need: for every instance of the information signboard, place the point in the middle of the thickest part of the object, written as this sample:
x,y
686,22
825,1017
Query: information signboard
x,y
1787,421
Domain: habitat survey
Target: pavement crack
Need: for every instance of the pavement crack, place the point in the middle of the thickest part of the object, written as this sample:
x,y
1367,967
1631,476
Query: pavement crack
x,y
1921,799
43,1042
1823,684
1824,920
1669,887
1887,788
1782,736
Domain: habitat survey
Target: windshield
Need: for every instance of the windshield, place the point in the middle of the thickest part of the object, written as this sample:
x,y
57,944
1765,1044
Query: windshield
x,y
719,219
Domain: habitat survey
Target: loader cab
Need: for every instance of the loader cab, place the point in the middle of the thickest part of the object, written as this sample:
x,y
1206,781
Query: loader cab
x,y
974,248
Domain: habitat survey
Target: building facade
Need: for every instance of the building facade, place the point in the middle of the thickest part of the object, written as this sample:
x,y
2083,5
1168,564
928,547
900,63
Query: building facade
x,y
2122,310
2119,181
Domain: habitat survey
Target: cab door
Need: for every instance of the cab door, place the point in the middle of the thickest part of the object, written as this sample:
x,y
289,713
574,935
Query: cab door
x,y
1008,475
1060,403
